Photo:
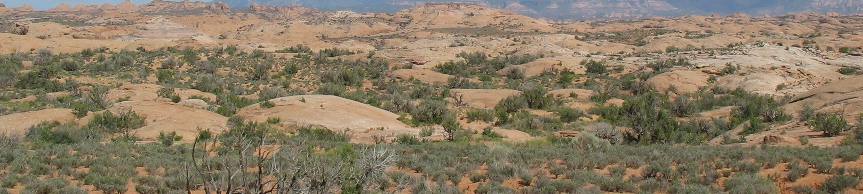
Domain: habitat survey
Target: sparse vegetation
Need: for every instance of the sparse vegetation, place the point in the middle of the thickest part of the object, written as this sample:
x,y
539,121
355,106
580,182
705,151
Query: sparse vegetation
x,y
830,124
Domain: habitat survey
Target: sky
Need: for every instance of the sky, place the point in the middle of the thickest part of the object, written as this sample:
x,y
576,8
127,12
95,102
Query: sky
x,y
48,4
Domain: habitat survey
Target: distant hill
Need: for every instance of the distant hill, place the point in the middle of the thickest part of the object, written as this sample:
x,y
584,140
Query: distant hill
x,y
590,9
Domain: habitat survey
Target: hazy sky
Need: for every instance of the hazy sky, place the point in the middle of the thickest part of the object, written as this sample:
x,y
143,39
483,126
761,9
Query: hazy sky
x,y
48,4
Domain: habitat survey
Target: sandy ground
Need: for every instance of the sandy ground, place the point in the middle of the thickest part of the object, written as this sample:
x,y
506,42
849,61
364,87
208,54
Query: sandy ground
x,y
17,124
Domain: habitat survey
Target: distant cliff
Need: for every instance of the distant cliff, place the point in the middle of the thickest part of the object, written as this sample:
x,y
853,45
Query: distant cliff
x,y
590,9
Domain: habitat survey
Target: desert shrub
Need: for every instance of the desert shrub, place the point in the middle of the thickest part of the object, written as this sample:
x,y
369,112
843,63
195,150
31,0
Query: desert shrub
x,y
41,78
430,111
55,133
296,49
729,69
691,189
332,89
515,73
479,64
335,52
807,113
651,123
107,184
119,123
753,105
208,83
53,185
796,171
488,132
511,104
166,76
168,139
662,65
9,67
267,104
407,140
536,96
321,134
190,56
94,100
606,131
830,124
151,184
849,71
261,70
568,115
460,82
345,77
450,126
480,115
117,61
565,77
750,184
594,67
70,65
838,183
272,93
168,92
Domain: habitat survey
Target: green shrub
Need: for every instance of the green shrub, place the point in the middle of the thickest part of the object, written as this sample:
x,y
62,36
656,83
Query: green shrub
x,y
750,184
168,92
536,96
662,65
120,123
42,78
107,184
151,184
261,70
849,71
168,139
335,52
9,67
165,76
796,171
729,69
488,132
511,104
430,112
272,93
594,67
838,183
296,49
480,115
53,185
267,104
830,124
568,115
321,134
407,140
451,126
807,113
332,89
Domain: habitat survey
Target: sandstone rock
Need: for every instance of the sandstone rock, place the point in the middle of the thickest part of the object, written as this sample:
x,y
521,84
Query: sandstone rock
x,y
683,81
195,103
843,96
614,102
424,75
362,122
